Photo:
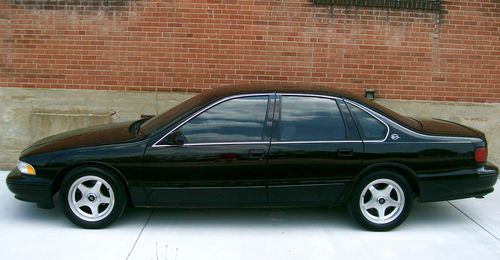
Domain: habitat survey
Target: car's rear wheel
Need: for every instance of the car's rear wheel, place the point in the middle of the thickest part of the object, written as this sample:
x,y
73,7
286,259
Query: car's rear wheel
x,y
381,201
92,197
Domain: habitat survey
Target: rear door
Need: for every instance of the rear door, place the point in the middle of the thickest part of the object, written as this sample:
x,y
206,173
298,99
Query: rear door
x,y
312,155
216,158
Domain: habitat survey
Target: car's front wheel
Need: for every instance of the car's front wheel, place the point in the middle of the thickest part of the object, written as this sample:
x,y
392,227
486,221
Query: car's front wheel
x,y
92,197
381,201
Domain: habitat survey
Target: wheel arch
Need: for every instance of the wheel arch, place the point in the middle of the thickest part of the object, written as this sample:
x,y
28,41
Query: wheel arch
x,y
405,171
56,186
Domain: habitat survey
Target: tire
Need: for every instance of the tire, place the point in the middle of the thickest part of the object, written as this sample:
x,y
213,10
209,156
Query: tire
x,y
381,201
92,197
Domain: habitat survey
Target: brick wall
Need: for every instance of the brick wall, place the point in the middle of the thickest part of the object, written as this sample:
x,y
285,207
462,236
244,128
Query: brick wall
x,y
193,45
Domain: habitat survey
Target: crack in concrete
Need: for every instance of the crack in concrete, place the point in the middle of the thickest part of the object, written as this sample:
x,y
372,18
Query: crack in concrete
x,y
474,221
140,234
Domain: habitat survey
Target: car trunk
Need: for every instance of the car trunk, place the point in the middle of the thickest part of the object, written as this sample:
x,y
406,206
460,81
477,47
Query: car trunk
x,y
448,128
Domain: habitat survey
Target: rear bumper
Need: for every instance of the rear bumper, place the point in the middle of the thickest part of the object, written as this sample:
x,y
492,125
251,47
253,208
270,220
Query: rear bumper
x,y
31,188
458,184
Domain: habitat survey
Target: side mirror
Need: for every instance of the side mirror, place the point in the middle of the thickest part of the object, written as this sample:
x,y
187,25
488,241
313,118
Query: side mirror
x,y
177,138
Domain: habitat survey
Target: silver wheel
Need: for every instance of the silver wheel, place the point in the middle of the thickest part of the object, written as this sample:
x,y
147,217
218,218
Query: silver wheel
x,y
382,201
91,198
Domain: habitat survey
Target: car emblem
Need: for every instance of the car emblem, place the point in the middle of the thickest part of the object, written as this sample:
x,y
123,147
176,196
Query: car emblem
x,y
394,137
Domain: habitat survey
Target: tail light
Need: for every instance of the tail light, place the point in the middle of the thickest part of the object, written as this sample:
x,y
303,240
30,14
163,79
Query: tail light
x,y
481,154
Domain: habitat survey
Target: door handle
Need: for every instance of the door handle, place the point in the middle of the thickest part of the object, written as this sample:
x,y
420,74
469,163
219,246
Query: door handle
x,y
345,152
256,153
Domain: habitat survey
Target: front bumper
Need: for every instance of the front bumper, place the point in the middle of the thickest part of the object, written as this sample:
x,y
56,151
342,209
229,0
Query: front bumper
x,y
459,184
31,188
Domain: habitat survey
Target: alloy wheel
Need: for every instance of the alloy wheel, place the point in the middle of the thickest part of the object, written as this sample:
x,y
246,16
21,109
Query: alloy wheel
x,y
382,201
91,198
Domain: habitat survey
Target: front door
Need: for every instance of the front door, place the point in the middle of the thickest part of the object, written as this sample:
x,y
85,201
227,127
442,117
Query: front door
x,y
217,157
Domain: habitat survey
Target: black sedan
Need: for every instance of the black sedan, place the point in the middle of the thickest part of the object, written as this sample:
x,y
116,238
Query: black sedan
x,y
259,146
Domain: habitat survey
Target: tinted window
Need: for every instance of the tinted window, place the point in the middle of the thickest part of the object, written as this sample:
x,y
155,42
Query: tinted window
x,y
235,120
370,128
310,119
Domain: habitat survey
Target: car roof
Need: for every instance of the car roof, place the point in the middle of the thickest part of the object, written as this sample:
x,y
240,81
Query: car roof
x,y
299,88
218,93
304,88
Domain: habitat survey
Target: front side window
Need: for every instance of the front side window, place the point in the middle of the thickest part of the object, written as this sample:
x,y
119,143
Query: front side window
x,y
370,127
235,120
310,119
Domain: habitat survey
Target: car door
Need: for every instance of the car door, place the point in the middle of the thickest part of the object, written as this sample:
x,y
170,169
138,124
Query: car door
x,y
313,155
217,157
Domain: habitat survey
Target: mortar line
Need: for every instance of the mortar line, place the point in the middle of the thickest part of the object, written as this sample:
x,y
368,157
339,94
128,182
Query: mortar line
x,y
475,222
139,236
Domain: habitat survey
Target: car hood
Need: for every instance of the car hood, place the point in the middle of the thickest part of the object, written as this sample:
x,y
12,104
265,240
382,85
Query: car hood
x,y
97,135
448,128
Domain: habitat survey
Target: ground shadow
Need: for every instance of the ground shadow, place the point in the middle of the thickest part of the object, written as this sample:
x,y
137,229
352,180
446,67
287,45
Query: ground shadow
x,y
423,214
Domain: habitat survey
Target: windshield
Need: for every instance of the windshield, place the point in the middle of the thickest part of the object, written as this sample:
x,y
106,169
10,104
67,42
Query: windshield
x,y
157,122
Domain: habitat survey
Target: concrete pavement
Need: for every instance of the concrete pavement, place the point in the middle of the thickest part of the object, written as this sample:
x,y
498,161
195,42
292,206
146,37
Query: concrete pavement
x,y
444,230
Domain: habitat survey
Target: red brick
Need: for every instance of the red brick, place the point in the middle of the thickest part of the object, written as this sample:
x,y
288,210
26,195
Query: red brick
x,y
403,54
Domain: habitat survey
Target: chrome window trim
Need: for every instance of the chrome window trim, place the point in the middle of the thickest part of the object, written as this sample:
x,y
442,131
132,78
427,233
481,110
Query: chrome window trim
x,y
316,142
203,110
441,139
378,115
372,113
301,142
212,144
263,142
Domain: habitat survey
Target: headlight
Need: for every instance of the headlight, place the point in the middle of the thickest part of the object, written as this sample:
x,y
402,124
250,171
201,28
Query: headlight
x,y
25,168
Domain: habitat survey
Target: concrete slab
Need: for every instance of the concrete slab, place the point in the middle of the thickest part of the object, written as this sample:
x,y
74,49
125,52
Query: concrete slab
x,y
485,212
28,232
433,231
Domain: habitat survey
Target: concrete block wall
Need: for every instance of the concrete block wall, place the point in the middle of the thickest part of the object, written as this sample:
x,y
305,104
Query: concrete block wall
x,y
29,114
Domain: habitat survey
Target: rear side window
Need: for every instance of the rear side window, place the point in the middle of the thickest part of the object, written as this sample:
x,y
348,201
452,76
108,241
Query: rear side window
x,y
370,127
310,119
